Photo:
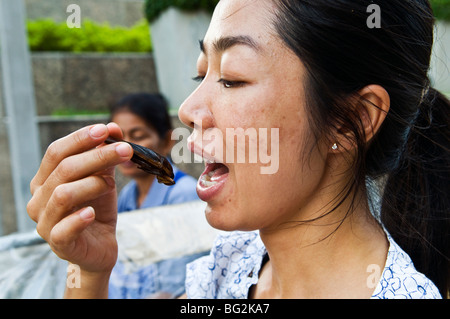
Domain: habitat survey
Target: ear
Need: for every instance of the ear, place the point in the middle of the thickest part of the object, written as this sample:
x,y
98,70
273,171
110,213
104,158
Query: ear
x,y
371,105
375,104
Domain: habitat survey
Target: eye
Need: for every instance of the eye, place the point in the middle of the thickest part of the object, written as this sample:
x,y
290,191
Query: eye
x,y
139,134
198,78
231,84
138,138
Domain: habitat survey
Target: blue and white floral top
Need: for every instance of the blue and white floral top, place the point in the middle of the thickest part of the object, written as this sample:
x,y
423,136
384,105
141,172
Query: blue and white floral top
x,y
236,259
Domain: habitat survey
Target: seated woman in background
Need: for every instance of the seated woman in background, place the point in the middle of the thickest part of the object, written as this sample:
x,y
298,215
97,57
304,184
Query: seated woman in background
x,y
144,120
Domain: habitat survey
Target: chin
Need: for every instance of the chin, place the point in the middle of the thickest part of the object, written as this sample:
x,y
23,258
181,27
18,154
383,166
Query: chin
x,y
127,171
132,172
229,219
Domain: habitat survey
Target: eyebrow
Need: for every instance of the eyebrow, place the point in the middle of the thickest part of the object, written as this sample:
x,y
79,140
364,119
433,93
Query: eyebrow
x,y
224,43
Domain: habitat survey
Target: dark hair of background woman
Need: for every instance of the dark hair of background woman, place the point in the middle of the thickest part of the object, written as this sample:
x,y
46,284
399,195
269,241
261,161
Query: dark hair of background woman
x,y
410,153
152,108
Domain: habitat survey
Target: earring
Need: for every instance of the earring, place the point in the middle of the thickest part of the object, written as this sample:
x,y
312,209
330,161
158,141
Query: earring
x,y
334,147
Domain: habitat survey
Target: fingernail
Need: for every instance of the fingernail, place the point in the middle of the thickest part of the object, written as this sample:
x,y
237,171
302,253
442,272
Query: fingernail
x,y
97,131
123,150
87,213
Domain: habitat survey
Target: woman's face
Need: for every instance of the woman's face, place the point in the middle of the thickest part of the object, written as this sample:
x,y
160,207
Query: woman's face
x,y
250,80
137,131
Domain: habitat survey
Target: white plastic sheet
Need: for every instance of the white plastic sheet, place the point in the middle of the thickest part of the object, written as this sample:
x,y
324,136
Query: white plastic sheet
x,y
165,232
29,269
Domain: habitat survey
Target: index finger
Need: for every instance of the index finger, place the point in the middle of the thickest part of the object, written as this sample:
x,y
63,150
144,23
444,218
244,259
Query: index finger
x,y
77,142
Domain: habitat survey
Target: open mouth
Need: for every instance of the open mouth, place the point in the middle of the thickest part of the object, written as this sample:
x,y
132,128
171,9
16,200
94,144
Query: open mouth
x,y
212,180
213,173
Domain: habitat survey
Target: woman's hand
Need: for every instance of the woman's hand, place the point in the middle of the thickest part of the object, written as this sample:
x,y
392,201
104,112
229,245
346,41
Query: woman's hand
x,y
74,198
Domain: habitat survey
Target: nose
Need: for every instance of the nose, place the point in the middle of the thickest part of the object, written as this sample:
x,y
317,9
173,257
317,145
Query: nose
x,y
196,110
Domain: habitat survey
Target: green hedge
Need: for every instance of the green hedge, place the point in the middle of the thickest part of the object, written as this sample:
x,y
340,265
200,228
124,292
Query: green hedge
x,y
441,9
71,111
47,35
153,8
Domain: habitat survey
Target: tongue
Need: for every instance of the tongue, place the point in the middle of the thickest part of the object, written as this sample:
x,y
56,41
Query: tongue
x,y
217,172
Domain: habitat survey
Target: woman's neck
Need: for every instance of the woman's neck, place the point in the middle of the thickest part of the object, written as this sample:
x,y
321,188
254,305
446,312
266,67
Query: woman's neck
x,y
325,258
143,185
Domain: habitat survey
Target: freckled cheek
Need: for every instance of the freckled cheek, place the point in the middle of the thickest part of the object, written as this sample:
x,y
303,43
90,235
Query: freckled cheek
x,y
245,108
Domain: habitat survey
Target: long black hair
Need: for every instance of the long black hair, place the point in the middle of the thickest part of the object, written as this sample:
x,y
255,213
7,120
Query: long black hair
x,y
410,153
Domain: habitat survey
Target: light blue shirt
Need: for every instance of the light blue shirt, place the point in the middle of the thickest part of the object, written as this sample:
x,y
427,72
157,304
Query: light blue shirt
x,y
236,258
167,276
184,190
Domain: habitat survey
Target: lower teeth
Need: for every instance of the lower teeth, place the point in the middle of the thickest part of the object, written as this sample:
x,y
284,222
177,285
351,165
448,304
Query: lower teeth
x,y
206,180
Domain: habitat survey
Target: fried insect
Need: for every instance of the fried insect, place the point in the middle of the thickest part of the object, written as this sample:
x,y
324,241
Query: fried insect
x,y
151,162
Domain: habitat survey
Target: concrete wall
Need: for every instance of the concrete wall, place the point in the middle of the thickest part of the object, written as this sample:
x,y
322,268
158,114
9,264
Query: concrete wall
x,y
440,62
115,12
89,80
175,36
7,208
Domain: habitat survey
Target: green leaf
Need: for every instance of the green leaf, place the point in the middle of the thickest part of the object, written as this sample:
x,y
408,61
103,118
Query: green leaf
x,y
441,9
47,35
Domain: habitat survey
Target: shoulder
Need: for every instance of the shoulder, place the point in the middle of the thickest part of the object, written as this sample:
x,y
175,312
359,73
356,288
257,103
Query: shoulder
x,y
185,181
401,280
228,270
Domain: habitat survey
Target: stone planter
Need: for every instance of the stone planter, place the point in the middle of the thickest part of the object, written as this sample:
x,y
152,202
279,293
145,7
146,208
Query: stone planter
x,y
175,36
89,81
440,62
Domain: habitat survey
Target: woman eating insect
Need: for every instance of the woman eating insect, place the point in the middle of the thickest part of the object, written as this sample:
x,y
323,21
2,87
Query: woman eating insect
x,y
357,117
